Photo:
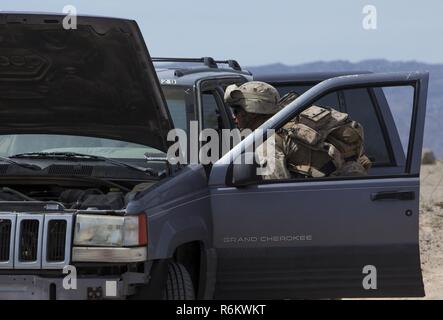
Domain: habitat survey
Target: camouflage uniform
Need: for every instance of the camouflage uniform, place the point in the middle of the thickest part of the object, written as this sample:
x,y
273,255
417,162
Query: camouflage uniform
x,y
319,142
257,97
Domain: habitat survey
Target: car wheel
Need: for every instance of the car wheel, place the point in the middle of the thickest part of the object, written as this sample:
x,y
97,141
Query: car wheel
x,y
179,284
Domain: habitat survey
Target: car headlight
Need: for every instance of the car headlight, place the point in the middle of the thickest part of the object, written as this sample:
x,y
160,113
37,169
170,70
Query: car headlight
x,y
104,238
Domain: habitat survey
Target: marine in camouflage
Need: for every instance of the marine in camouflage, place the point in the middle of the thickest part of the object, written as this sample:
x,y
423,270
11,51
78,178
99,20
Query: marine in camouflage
x,y
319,142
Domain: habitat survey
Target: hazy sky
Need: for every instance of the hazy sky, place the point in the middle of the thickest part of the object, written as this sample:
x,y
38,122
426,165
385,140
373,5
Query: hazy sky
x,y
288,31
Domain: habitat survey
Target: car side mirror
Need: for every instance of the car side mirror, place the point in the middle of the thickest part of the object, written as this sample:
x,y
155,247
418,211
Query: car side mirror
x,y
242,175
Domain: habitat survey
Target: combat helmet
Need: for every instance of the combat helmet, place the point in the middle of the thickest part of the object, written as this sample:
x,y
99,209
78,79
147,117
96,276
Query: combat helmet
x,y
253,97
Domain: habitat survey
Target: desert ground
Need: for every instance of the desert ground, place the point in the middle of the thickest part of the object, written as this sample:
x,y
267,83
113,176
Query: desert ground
x,y
431,229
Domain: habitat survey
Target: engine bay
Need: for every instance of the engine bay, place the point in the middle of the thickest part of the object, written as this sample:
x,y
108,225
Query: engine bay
x,y
36,197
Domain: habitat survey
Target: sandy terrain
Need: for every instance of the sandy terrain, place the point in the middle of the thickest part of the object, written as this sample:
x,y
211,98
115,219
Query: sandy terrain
x,y
431,229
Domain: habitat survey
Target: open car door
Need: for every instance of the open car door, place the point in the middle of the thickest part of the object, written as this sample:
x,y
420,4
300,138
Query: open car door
x,y
327,237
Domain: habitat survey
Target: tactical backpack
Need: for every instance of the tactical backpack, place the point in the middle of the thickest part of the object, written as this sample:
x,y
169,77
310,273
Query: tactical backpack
x,y
324,142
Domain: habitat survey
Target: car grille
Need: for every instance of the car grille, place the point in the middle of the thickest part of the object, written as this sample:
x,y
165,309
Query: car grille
x,y
35,241
5,236
56,243
28,240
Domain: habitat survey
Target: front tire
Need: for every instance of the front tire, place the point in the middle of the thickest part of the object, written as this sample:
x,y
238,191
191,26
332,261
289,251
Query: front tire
x,y
179,284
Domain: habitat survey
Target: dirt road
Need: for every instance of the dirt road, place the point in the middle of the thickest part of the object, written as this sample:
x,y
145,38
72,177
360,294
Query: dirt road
x,y
431,229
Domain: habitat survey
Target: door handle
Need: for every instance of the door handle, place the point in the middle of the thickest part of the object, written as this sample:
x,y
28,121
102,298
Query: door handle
x,y
393,195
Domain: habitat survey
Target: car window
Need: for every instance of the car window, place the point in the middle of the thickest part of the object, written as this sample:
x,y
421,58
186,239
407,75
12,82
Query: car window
x,y
13,144
400,100
319,143
328,100
359,105
210,112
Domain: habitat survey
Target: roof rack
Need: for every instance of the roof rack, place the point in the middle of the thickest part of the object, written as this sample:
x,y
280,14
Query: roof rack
x,y
183,72
207,61
231,63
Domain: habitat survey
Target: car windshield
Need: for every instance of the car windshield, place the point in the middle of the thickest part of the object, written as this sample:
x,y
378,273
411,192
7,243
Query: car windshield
x,y
178,98
25,143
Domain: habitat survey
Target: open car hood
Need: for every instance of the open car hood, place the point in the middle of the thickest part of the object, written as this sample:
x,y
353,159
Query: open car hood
x,y
97,80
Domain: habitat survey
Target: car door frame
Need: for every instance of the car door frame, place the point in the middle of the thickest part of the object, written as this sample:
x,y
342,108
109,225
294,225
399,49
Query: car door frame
x,y
216,84
380,104
221,169
418,80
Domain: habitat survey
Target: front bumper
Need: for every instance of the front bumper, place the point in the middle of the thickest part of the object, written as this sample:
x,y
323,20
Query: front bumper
x,y
30,287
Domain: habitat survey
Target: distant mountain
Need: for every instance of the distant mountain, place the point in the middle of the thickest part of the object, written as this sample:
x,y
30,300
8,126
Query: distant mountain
x,y
434,119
